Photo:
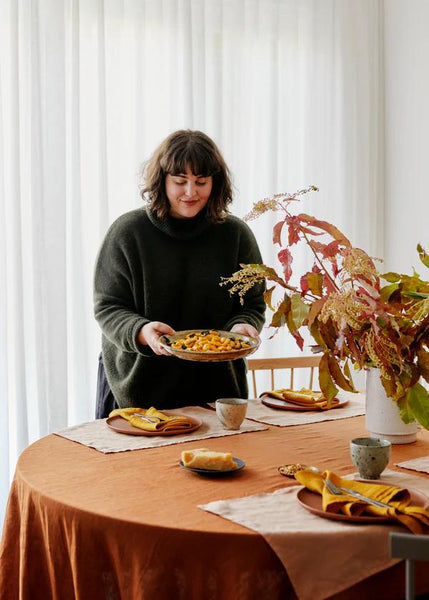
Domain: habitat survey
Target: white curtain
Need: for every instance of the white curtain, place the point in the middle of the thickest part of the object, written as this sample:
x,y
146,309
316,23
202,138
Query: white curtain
x,y
291,90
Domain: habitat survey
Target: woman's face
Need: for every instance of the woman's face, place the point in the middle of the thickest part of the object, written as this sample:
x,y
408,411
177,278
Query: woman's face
x,y
187,193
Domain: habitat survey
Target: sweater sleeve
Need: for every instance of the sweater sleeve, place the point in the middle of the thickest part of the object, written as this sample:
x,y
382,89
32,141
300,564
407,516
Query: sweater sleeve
x,y
115,307
252,310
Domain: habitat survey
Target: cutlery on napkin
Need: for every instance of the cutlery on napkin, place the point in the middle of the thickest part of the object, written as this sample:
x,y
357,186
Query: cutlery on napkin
x,y
416,518
304,398
152,419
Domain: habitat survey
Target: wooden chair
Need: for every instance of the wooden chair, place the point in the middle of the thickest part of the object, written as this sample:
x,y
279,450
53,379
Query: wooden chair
x,y
275,364
410,547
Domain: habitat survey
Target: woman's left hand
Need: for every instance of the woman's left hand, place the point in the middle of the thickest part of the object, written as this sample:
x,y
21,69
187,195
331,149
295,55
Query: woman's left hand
x,y
246,329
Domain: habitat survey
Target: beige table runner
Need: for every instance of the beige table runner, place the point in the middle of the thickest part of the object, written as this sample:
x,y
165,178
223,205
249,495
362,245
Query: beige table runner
x,y
98,435
321,556
256,411
416,464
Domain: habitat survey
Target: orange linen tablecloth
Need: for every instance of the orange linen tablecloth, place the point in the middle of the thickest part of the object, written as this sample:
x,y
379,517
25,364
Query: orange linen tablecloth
x,y
83,525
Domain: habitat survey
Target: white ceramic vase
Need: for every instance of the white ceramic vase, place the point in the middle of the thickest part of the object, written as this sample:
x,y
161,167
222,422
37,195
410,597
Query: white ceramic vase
x,y
383,419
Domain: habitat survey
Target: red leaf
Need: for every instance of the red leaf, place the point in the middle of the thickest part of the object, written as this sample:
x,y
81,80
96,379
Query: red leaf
x,y
285,257
327,282
293,229
299,340
304,284
317,246
277,233
331,249
328,227
315,309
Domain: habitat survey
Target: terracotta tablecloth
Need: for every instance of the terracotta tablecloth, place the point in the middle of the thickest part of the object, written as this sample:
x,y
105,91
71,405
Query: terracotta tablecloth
x,y
83,525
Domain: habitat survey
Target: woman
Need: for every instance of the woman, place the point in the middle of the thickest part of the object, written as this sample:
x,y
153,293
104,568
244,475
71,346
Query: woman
x,y
158,271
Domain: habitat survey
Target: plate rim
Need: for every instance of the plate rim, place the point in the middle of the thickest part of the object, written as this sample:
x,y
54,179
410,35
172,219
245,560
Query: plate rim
x,y
366,518
210,356
213,472
137,431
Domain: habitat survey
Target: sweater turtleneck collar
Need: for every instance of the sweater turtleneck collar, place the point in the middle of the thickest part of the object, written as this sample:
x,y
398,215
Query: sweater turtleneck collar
x,y
181,229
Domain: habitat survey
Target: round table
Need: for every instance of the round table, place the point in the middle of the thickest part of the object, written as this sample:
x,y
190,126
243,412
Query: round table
x,y
83,525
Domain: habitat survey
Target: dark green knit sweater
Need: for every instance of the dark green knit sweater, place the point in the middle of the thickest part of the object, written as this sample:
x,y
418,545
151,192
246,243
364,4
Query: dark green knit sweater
x,y
169,271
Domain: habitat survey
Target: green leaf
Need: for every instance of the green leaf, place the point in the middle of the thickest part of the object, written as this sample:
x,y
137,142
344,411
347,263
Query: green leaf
x,y
279,317
327,386
388,290
267,272
417,295
405,410
316,335
315,283
299,311
338,375
391,277
418,399
267,297
423,363
347,373
424,257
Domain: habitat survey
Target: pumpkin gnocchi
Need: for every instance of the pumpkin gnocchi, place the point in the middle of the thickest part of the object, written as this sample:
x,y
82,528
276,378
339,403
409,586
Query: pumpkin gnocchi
x,y
209,341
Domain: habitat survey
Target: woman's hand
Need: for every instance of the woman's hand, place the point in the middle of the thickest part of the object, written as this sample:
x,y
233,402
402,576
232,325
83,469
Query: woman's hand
x,y
246,329
150,333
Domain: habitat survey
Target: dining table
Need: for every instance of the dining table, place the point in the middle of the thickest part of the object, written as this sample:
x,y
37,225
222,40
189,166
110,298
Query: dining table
x,y
87,523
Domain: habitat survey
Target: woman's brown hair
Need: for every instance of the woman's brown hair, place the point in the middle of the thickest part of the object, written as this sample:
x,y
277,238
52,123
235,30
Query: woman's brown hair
x,y
179,149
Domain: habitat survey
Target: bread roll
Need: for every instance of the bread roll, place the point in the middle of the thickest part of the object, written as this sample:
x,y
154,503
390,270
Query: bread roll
x,y
202,458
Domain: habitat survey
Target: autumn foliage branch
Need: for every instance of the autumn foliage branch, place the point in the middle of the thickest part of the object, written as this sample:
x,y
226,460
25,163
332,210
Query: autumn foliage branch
x,y
352,317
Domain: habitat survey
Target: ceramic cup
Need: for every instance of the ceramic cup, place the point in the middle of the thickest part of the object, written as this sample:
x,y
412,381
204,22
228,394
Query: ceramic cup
x,y
231,412
370,456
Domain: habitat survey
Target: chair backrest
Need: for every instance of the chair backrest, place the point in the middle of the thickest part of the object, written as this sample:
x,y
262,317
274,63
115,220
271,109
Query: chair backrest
x,y
411,548
275,364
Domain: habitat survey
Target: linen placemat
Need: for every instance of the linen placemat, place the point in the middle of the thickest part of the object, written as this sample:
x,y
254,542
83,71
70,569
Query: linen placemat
x,y
353,551
97,434
416,464
256,411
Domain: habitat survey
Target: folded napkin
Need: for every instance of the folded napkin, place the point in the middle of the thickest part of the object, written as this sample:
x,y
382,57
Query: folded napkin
x,y
304,398
152,420
414,517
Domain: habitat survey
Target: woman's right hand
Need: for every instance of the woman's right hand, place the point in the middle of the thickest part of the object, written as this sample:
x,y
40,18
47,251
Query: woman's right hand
x,y
150,333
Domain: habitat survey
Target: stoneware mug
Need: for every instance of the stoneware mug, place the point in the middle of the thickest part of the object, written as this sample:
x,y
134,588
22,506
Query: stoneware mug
x,y
370,456
231,412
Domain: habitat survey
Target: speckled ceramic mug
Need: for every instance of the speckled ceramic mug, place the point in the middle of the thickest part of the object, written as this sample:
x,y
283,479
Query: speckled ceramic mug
x,y
370,456
231,412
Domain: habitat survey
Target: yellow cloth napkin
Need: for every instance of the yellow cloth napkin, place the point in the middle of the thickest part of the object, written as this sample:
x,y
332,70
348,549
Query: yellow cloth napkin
x,y
413,517
304,398
152,419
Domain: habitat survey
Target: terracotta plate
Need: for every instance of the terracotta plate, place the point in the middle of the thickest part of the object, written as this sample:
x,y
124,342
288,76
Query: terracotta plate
x,y
285,405
166,341
213,473
121,425
313,503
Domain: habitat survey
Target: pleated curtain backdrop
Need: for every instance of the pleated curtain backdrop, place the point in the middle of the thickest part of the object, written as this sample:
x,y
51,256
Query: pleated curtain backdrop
x,y
291,90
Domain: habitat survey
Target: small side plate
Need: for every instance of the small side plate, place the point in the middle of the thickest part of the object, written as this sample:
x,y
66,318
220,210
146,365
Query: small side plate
x,y
213,473
121,425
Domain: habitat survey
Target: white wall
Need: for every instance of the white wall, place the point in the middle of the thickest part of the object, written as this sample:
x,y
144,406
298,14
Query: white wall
x,y
406,133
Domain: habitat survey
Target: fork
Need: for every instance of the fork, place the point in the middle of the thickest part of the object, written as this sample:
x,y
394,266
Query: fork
x,y
150,419
341,491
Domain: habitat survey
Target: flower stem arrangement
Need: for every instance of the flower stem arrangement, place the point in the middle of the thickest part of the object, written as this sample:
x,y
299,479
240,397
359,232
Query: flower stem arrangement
x,y
355,315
